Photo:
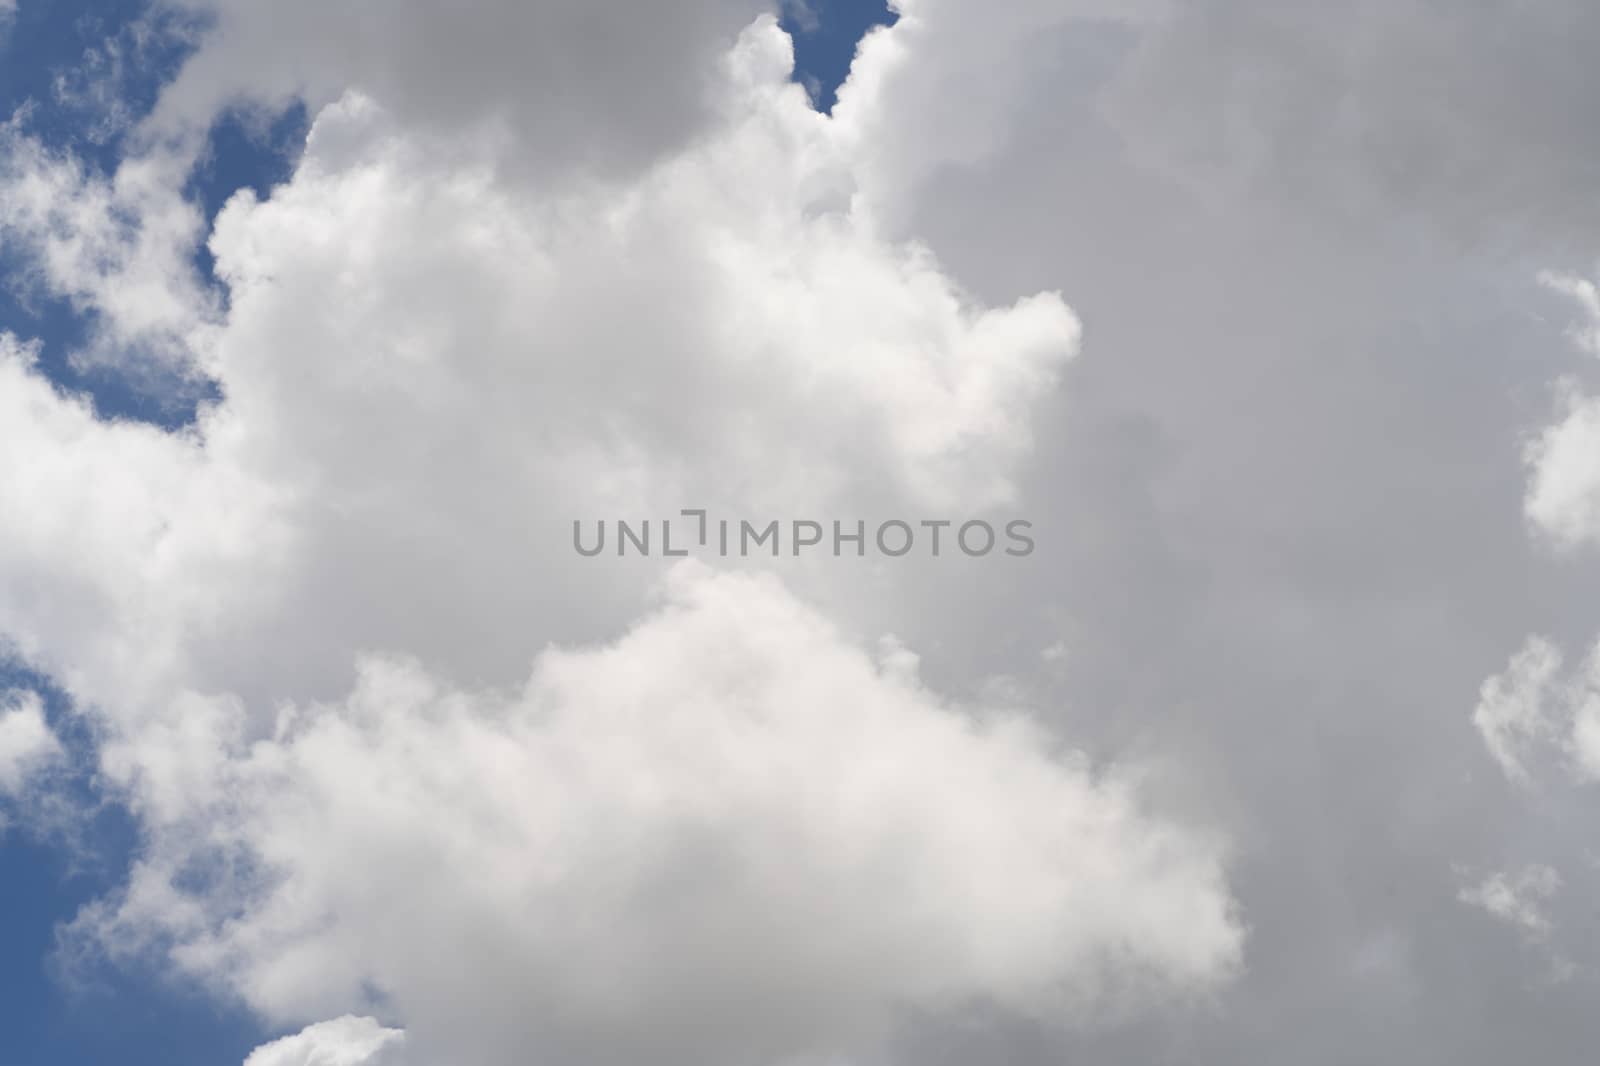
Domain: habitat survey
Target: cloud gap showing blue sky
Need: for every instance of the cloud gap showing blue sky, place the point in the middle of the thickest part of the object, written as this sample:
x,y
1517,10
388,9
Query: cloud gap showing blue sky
x,y
825,35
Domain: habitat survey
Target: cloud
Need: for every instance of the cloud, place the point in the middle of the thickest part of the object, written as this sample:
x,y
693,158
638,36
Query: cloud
x,y
1583,293
1278,495
1473,117
1536,711
118,248
1563,499
555,86
346,1041
303,625
418,357
1517,898
27,743
1564,488
1512,714
1286,479
971,65
802,15
729,836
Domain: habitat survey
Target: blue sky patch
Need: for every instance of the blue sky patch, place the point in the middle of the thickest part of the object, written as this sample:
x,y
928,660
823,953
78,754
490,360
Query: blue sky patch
x,y
825,34
52,1014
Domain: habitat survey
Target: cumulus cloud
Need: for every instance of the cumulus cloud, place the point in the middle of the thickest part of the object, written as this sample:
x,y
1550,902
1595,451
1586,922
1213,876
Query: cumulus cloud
x,y
27,744
1563,499
1538,712
304,623
418,357
89,525
1582,292
971,65
346,1041
1517,897
542,262
117,247
1513,712
729,836
538,82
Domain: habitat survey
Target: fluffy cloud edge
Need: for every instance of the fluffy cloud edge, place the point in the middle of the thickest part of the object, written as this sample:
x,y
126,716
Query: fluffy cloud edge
x,y
343,1041
731,797
27,743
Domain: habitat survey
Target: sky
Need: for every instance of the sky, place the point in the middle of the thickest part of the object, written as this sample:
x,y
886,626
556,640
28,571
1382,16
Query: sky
x,y
323,328
51,1014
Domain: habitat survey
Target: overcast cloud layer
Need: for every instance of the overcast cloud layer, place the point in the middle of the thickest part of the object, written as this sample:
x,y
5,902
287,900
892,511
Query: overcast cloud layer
x,y
1278,321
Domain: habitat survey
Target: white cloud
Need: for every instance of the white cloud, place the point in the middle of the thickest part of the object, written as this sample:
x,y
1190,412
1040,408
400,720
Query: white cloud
x,y
346,1041
1518,898
1513,714
944,86
118,247
1536,714
729,836
1582,292
418,357
1564,491
27,743
306,622
1563,499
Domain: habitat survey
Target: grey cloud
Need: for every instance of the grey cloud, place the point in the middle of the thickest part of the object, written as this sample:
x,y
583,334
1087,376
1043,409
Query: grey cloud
x,y
560,85
1282,500
1477,115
